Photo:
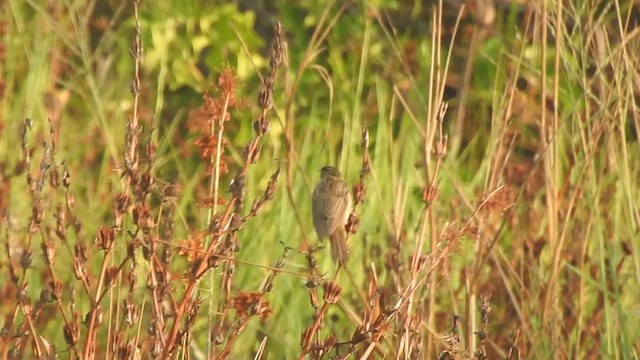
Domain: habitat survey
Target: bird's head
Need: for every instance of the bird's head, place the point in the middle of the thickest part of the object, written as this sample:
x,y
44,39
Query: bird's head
x,y
329,171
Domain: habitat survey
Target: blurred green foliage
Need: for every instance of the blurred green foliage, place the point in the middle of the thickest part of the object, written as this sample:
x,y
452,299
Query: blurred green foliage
x,y
375,68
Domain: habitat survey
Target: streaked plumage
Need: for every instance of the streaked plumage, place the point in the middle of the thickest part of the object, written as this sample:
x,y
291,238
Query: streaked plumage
x,y
331,208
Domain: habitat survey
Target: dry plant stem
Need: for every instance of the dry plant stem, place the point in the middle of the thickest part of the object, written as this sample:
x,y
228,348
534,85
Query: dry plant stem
x,y
554,215
434,101
136,53
180,309
401,305
237,261
215,180
131,164
384,319
140,318
156,297
47,245
61,309
431,194
550,169
260,351
314,327
131,161
227,347
481,257
22,300
100,294
331,296
111,324
4,345
90,344
275,271
359,194
35,188
225,295
435,110
159,267
368,351
261,126
214,188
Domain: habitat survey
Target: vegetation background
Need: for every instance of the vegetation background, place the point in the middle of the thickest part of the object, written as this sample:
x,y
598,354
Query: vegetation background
x,y
156,203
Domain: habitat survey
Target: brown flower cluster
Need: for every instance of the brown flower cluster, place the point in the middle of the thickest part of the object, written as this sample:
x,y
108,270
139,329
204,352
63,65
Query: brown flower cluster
x,y
248,304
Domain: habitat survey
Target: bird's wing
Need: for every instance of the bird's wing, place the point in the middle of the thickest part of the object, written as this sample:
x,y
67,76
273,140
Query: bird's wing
x,y
336,207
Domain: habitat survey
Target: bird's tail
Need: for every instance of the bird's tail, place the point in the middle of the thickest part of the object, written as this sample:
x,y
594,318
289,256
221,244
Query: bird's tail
x,y
339,247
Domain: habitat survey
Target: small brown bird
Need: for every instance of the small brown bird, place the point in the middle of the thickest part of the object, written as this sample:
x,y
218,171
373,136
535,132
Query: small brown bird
x,y
331,208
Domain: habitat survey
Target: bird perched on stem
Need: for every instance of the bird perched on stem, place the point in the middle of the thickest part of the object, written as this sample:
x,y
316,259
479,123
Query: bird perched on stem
x,y
331,208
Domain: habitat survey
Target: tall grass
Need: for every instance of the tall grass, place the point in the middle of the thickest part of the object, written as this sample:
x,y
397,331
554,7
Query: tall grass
x,y
492,152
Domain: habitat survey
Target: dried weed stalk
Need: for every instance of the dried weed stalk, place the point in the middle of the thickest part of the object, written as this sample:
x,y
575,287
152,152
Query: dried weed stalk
x,y
126,315
225,225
